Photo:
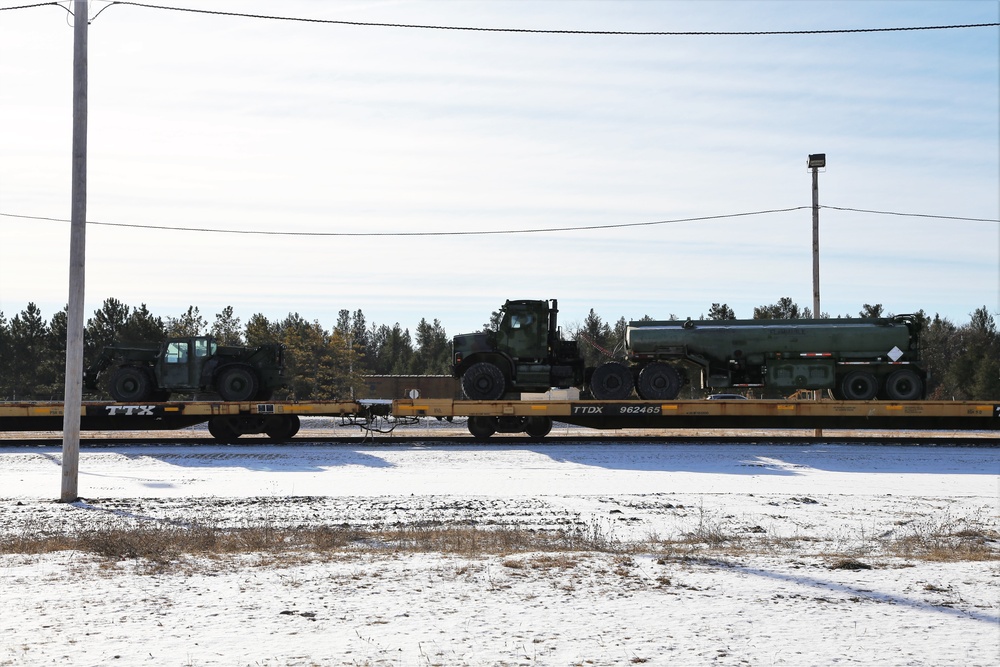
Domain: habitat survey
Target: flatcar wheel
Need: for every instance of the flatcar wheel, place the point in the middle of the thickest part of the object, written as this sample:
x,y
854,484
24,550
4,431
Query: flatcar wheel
x,y
904,385
538,427
658,382
483,381
859,386
280,428
611,382
130,384
482,428
223,429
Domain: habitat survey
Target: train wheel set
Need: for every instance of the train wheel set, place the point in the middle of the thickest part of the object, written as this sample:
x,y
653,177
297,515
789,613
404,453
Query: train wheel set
x,y
280,421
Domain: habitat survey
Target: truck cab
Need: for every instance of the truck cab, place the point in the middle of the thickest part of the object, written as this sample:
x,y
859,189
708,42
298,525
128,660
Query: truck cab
x,y
184,361
526,353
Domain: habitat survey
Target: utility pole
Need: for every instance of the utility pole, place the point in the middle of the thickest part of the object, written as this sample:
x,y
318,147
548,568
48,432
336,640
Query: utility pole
x,y
816,162
77,257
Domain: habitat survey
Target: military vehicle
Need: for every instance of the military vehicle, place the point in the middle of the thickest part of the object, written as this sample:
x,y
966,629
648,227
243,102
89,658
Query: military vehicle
x,y
151,371
526,353
858,359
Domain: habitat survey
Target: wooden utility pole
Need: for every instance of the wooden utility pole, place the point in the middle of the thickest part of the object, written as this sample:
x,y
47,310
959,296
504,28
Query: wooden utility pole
x,y
77,256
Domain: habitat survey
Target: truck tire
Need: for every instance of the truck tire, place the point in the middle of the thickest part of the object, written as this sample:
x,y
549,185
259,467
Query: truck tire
x,y
131,384
658,382
237,383
611,382
904,385
482,428
859,386
483,381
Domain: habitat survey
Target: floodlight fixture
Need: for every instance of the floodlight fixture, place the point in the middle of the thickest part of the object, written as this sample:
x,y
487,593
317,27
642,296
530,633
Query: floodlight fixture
x,y
817,161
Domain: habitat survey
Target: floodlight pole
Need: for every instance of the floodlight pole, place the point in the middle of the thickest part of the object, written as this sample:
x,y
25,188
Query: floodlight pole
x,y
72,407
815,162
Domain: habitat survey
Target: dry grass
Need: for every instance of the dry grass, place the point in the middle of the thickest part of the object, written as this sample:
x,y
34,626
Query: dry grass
x,y
162,546
942,539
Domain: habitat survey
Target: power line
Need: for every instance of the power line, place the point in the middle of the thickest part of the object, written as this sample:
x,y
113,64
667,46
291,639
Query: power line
x,y
542,31
38,4
496,232
492,232
910,215
633,33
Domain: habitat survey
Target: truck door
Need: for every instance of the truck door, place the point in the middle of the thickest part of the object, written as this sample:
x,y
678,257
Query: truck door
x,y
176,367
526,335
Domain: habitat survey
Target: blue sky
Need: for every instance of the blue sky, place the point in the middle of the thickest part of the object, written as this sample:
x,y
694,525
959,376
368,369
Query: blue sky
x,y
240,124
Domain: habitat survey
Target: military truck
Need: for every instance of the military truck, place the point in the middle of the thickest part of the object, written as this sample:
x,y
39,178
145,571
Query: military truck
x,y
858,359
526,353
151,371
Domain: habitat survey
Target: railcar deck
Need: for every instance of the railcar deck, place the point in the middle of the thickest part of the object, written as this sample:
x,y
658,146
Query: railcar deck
x,y
604,415
700,414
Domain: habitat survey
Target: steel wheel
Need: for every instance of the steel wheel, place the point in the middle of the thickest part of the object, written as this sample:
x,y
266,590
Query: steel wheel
x,y
223,429
281,427
482,428
538,427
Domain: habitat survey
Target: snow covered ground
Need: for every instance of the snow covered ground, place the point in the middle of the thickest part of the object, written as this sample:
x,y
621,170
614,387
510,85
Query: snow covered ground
x,y
735,558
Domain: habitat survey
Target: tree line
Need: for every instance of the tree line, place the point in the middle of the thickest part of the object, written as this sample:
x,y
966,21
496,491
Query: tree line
x,y
963,360
321,363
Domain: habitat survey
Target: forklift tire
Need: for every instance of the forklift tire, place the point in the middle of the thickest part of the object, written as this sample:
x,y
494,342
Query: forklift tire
x,y
131,384
237,382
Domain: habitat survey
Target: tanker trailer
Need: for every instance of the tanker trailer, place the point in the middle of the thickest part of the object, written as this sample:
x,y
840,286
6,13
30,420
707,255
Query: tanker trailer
x,y
859,359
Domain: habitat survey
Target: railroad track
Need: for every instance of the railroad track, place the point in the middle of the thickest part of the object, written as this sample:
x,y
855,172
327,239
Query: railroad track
x,y
599,439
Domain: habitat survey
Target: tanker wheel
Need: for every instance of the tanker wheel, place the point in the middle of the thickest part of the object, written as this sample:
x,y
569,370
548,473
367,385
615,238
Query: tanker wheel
x,y
483,382
130,384
223,429
281,427
658,382
538,427
611,382
482,428
859,386
237,383
904,385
